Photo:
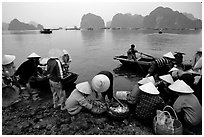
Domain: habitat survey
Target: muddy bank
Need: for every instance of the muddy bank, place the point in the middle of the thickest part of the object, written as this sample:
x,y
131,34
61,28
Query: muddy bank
x,y
40,118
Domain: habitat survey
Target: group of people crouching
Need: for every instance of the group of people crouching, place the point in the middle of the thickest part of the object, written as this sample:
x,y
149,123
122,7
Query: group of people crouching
x,y
178,88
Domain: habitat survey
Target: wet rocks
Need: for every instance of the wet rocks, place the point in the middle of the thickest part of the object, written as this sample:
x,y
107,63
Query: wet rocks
x,y
40,118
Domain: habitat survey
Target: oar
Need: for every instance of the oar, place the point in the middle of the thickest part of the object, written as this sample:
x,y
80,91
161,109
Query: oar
x,y
139,65
118,101
147,55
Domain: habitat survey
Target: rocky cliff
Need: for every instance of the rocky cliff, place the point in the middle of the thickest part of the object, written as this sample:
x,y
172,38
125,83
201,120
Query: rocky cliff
x,y
15,24
127,21
167,18
92,21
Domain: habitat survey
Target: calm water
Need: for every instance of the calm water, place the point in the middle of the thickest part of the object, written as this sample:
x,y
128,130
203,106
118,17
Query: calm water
x,y
93,51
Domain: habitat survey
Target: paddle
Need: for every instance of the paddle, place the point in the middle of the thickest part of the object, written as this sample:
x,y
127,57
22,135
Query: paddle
x,y
118,101
146,55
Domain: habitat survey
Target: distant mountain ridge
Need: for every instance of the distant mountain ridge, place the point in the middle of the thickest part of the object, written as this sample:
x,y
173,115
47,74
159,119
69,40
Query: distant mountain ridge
x,y
167,18
15,24
127,21
159,18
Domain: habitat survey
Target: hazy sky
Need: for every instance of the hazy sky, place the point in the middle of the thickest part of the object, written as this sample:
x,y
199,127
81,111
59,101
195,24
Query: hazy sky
x,y
69,14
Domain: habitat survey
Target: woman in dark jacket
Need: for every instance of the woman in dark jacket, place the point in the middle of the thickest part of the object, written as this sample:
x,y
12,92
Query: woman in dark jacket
x,y
103,83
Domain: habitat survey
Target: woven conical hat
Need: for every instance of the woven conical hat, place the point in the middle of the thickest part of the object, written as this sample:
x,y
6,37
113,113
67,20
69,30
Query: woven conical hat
x,y
181,87
33,55
146,80
149,88
84,87
173,69
169,55
7,59
168,78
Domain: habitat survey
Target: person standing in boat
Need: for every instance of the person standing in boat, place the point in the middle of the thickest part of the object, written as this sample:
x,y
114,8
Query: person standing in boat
x,y
26,71
66,60
131,53
162,65
55,75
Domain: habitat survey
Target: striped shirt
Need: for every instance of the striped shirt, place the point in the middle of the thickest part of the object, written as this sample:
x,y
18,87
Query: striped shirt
x,y
162,62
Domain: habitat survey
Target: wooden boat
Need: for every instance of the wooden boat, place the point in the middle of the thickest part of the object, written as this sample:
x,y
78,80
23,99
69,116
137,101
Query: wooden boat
x,y
46,31
160,31
69,79
143,62
42,83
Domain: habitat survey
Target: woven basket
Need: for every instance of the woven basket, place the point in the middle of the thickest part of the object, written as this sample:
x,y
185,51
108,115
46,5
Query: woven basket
x,y
98,107
163,130
116,115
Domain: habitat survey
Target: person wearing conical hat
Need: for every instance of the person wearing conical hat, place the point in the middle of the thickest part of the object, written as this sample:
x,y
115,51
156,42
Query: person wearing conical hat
x,y
186,104
135,92
162,65
28,69
66,60
55,75
78,99
102,85
9,80
148,102
8,67
27,72
162,85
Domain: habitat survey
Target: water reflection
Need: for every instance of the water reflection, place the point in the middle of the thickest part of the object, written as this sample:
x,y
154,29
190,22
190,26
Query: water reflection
x,y
128,72
92,37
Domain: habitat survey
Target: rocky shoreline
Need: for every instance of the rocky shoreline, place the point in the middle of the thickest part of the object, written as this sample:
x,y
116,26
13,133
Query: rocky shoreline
x,y
40,118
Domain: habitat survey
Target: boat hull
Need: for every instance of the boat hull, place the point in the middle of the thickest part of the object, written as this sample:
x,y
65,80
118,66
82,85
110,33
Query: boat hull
x,y
142,63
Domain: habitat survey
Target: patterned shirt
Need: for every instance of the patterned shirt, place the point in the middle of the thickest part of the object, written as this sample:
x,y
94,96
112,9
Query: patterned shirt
x,y
162,62
147,105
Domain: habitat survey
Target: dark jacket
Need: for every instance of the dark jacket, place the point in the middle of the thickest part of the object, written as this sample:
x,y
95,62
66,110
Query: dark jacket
x,y
53,70
109,92
26,70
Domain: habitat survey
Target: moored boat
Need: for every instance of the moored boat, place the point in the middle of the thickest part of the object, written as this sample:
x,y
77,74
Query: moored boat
x,y
46,31
42,83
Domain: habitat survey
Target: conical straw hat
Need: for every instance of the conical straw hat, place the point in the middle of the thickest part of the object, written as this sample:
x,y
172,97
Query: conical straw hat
x,y
7,59
33,55
100,83
84,87
173,69
168,78
169,55
146,80
181,87
149,88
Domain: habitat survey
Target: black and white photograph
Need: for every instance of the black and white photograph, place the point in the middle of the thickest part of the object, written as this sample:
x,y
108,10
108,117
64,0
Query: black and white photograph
x,y
103,67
